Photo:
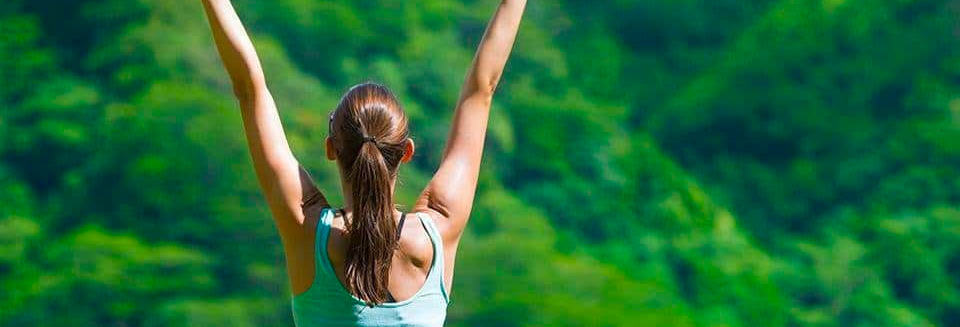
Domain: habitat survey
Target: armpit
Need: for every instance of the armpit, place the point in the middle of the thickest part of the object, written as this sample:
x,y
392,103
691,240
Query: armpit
x,y
310,192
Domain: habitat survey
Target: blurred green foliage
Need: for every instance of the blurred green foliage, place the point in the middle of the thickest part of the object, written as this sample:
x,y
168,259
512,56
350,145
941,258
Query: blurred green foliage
x,y
650,162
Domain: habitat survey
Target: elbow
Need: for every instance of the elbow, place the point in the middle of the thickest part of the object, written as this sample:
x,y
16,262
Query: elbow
x,y
484,87
481,98
249,94
245,89
488,84
487,89
246,76
243,93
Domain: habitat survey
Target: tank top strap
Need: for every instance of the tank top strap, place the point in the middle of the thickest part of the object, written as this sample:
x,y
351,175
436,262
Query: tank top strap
x,y
435,276
321,259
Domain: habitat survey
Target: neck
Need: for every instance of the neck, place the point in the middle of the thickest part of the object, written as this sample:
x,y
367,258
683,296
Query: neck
x,y
346,190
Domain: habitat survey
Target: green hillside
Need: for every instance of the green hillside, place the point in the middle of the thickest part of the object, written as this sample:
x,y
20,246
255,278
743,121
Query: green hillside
x,y
649,162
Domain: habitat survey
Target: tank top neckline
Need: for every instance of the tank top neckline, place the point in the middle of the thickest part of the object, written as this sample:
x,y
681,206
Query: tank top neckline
x,y
322,240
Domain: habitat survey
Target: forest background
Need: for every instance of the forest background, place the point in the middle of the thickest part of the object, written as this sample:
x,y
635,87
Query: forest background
x,y
649,162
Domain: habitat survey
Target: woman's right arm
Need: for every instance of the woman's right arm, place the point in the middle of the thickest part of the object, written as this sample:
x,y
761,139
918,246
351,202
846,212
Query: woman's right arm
x,y
451,191
286,185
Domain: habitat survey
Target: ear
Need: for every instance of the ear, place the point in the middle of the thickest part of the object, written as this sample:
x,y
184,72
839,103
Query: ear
x,y
331,151
408,149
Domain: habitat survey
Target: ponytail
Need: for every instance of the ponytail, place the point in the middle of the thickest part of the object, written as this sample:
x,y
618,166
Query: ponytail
x,y
368,130
373,234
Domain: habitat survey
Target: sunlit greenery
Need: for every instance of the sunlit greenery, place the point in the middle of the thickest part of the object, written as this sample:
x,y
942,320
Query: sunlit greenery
x,y
649,162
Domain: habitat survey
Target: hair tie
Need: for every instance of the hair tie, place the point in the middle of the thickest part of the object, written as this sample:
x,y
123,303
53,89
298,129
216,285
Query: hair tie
x,y
369,139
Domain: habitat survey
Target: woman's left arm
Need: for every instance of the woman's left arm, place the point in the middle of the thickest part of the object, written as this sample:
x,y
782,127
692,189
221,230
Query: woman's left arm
x,y
285,184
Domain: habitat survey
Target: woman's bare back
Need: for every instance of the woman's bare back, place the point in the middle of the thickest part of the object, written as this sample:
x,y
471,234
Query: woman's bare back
x,y
411,261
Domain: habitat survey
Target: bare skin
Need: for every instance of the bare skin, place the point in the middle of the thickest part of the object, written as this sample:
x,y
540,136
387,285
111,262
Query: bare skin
x,y
295,201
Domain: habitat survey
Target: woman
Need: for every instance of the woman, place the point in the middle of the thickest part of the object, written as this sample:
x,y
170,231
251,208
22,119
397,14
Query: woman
x,y
362,265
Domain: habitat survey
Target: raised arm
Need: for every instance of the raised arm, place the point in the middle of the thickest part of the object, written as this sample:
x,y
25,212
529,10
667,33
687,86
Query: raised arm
x,y
450,193
285,184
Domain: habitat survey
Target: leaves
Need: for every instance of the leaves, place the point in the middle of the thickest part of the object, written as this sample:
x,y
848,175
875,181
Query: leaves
x,y
685,163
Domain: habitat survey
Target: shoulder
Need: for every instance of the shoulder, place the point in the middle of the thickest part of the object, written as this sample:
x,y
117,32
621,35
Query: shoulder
x,y
449,234
415,241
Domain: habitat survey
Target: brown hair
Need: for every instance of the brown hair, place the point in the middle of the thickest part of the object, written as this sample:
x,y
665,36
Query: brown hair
x,y
368,130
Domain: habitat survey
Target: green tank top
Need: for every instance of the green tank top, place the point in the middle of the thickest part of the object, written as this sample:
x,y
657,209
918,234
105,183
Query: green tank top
x,y
328,303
